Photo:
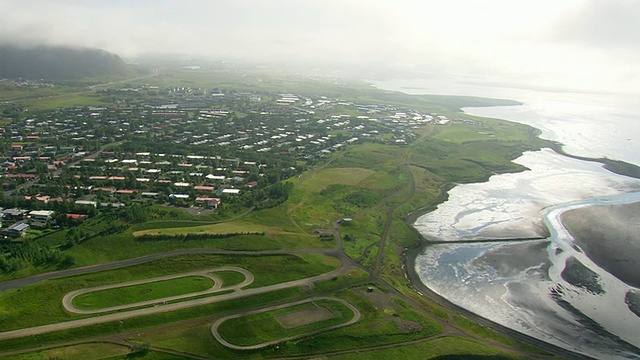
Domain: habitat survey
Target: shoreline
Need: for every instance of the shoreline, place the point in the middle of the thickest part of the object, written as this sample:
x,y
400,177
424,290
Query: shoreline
x,y
618,167
410,255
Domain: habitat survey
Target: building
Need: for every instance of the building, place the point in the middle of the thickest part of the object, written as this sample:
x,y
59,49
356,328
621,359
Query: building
x,y
14,214
16,230
86,203
208,202
179,196
228,192
40,218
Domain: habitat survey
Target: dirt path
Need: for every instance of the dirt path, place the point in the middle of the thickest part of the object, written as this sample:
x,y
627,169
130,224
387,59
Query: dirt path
x,y
389,220
216,334
67,300
16,283
166,308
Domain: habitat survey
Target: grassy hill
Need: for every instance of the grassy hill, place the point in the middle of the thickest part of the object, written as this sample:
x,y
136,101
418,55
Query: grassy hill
x,y
59,63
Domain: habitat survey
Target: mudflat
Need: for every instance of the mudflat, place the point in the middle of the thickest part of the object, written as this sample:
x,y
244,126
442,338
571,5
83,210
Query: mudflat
x,y
610,236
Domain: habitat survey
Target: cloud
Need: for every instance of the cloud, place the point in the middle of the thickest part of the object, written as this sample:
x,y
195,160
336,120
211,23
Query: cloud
x,y
604,24
555,42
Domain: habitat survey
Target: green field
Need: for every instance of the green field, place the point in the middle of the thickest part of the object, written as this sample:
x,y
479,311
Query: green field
x,y
264,327
101,299
377,184
449,347
41,303
229,278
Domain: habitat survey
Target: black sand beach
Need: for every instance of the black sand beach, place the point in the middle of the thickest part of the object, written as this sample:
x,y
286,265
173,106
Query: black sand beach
x,y
610,236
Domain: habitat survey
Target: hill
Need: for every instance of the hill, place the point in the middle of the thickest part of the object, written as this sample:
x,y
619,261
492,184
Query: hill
x,y
58,63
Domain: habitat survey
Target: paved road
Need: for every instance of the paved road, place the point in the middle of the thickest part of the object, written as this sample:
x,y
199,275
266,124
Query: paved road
x,y
67,300
216,334
168,307
12,284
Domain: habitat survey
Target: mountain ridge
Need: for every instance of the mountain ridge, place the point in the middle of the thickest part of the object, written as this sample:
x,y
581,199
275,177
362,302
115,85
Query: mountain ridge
x,y
59,62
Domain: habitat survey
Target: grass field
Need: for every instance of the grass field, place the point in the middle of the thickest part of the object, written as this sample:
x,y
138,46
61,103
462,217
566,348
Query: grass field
x,y
268,326
86,351
449,347
229,278
41,303
384,321
153,290
363,182
231,227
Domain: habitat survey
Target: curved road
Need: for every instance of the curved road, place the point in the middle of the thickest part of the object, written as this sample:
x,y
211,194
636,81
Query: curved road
x,y
16,283
216,334
168,307
67,300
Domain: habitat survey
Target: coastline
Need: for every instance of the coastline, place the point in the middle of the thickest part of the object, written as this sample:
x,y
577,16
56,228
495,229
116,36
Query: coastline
x,y
615,166
410,255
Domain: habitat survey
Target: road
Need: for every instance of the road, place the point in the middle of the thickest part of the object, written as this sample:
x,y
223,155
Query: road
x,y
30,280
36,330
58,171
67,300
346,264
216,334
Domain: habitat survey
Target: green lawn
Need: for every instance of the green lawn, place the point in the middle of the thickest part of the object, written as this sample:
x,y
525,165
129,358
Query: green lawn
x,y
229,278
82,351
263,327
41,303
132,294
449,347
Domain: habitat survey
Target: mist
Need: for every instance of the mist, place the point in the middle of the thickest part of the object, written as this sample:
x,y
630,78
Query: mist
x,y
574,45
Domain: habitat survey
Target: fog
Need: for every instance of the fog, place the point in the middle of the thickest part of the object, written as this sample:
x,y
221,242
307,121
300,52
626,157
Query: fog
x,y
560,44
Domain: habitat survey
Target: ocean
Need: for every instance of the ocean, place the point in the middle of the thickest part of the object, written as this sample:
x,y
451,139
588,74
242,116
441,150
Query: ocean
x,y
522,284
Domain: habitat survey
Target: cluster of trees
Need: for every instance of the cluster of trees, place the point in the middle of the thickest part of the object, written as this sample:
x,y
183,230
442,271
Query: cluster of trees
x,y
268,197
16,256
136,214
186,237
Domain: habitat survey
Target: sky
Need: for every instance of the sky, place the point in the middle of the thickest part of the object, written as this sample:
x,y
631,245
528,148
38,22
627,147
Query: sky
x,y
587,45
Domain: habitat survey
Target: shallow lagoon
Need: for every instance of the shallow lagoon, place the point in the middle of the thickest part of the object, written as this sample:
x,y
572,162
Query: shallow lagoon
x,y
545,288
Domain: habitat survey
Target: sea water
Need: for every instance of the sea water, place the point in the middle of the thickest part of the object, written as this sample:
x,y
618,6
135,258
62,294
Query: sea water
x,y
518,284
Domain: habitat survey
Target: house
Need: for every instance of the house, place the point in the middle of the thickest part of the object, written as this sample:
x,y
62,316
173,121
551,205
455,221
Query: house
x,y
208,202
125,192
204,188
14,214
229,192
76,216
86,203
179,196
40,218
41,215
16,230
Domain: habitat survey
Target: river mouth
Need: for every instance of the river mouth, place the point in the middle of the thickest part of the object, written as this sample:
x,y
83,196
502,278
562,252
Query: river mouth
x,y
548,289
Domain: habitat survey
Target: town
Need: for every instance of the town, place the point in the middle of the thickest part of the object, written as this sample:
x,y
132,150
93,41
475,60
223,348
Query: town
x,y
191,148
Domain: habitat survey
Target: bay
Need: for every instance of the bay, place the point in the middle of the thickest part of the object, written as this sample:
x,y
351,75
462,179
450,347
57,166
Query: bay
x,y
519,284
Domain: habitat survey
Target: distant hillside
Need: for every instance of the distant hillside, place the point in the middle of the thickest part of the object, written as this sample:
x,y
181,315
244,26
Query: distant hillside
x,y
59,63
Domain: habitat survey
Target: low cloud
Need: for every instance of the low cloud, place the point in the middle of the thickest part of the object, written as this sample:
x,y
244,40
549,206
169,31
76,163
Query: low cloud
x,y
561,43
